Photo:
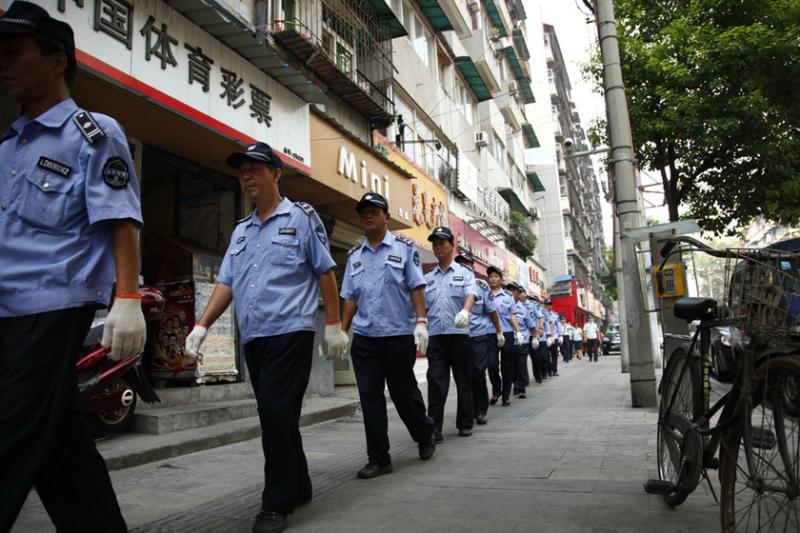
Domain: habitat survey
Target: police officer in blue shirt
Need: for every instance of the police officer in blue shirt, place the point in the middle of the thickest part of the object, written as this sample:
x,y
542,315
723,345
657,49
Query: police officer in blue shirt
x,y
450,292
507,312
553,332
527,326
277,262
538,350
384,300
486,337
69,225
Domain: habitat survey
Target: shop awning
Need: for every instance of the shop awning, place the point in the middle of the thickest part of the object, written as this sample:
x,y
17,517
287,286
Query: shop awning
x,y
389,18
473,77
435,15
494,16
531,141
536,183
522,46
514,201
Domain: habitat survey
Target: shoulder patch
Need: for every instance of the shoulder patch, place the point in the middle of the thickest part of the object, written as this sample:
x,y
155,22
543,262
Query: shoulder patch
x,y
88,127
116,173
416,258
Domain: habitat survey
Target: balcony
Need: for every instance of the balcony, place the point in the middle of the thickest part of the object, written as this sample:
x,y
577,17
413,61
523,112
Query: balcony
x,y
347,44
521,239
480,50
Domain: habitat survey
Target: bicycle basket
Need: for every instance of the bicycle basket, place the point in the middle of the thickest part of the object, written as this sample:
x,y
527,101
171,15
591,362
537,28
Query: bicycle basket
x,y
763,291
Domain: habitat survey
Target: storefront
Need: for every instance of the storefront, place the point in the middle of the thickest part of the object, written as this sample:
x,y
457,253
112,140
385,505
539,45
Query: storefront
x,y
186,101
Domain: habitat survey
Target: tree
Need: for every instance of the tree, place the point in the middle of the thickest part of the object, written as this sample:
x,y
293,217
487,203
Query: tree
x,y
610,282
714,105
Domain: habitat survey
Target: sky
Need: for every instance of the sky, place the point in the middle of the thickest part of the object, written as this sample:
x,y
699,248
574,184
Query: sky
x,y
577,35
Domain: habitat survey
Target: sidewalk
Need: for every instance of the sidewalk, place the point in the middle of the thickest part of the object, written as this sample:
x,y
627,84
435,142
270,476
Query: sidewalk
x,y
570,458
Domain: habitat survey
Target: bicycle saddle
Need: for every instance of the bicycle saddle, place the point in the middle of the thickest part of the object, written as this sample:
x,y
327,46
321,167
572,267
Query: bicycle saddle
x,y
690,309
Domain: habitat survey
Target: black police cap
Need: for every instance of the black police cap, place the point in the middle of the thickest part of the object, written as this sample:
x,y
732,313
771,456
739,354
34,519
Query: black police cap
x,y
465,258
257,152
548,302
26,18
535,298
373,199
441,232
494,270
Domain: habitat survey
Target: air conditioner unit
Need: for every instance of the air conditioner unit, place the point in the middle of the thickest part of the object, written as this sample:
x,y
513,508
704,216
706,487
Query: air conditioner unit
x,y
481,139
474,6
513,86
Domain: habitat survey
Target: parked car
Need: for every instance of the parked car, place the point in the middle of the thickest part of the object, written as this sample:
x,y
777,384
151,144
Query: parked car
x,y
611,340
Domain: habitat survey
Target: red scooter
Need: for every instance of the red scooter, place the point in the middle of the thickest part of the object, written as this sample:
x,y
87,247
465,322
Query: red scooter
x,y
108,388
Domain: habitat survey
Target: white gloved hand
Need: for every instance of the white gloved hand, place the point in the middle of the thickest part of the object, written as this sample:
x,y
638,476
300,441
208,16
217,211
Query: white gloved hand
x,y
519,337
336,341
559,340
501,340
124,330
421,336
550,341
534,343
462,319
193,342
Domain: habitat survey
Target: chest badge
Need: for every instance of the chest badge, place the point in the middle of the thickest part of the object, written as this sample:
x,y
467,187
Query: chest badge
x,y
395,259
458,278
54,166
287,231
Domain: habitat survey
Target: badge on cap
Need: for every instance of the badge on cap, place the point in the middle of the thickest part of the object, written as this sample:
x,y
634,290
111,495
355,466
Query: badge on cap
x,y
116,173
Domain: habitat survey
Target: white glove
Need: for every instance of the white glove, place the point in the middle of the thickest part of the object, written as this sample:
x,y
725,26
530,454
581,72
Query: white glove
x,y
550,341
124,330
534,343
501,340
193,342
519,337
336,341
462,319
558,340
421,336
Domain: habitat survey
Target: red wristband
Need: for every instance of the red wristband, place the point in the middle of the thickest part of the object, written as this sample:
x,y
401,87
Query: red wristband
x,y
333,323
136,296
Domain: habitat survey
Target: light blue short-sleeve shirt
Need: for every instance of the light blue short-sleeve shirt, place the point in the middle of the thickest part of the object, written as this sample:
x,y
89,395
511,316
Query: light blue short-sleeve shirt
x,y
525,321
480,322
63,181
380,282
445,294
274,268
506,306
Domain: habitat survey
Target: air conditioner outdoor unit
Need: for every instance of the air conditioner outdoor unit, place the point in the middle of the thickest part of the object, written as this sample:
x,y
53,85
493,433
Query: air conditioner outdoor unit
x,y
474,5
513,86
481,139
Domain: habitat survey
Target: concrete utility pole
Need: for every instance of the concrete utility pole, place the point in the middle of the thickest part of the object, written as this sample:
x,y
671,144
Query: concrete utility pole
x,y
643,379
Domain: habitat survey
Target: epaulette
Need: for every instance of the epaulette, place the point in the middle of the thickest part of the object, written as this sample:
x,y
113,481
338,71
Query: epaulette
x,y
307,208
354,248
245,219
482,284
405,240
88,127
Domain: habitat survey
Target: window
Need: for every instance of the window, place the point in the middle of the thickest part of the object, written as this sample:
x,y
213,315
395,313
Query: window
x,y
475,16
421,41
407,11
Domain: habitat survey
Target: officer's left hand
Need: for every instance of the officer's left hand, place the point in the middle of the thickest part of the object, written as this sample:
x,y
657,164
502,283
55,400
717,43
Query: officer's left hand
x,y
124,329
421,335
336,341
520,338
462,319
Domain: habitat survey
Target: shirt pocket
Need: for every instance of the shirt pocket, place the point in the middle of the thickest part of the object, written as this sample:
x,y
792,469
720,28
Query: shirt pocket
x,y
395,272
457,289
285,251
238,258
44,199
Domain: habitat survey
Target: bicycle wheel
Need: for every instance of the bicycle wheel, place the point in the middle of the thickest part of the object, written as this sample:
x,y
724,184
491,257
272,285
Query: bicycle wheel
x,y
678,450
760,457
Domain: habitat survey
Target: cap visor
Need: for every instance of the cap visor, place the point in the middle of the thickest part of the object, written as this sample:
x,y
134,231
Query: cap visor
x,y
11,30
236,159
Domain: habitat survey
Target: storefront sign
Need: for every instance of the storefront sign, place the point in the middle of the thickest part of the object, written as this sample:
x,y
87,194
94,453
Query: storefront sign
x,y
149,48
351,170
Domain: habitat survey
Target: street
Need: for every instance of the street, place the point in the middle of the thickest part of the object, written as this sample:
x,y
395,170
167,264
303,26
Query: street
x,y
572,457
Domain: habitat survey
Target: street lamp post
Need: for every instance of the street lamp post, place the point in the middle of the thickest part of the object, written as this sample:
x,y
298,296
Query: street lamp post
x,y
640,350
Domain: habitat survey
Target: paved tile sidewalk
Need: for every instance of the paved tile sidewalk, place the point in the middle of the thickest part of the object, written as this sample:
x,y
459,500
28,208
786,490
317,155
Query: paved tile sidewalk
x,y
570,458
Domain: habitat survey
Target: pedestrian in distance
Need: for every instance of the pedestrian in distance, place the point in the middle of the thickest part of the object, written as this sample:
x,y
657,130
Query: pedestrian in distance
x,y
566,340
590,338
69,226
527,325
502,382
538,350
577,341
385,302
486,337
553,335
450,293
277,262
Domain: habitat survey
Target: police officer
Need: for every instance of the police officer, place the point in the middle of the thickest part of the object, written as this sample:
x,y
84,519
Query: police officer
x,y
277,261
450,292
69,223
485,337
527,324
554,333
538,350
385,301
507,313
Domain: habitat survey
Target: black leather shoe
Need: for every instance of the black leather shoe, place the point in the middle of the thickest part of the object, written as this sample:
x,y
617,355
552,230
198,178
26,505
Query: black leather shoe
x,y
427,448
465,432
493,399
480,419
521,396
372,470
269,522
302,500
506,403
437,436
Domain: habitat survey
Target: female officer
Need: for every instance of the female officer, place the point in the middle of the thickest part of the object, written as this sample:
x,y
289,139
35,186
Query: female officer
x,y
507,310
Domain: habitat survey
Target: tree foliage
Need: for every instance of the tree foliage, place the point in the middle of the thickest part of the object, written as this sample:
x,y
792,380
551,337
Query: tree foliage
x,y
712,89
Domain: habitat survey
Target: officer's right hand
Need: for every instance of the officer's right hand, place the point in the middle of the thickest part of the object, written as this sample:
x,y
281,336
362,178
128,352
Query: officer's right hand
x,y
194,340
421,335
501,340
336,341
534,343
519,337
